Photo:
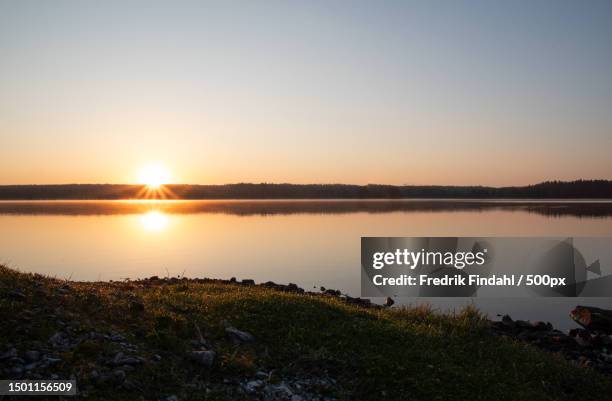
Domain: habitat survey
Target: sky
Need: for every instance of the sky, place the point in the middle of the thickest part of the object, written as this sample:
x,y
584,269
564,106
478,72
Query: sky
x,y
411,92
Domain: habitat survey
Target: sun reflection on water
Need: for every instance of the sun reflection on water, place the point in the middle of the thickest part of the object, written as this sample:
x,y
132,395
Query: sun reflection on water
x,y
154,221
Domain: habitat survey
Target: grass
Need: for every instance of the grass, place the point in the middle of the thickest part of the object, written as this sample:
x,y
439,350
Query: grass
x,y
372,354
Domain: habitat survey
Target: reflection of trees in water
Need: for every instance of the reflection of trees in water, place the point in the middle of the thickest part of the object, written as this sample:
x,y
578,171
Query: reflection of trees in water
x,y
286,207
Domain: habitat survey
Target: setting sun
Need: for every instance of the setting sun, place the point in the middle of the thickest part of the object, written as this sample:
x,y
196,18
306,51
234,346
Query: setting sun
x,y
154,175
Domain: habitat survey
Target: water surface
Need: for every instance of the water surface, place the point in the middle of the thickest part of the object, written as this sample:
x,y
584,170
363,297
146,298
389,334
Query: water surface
x,y
311,243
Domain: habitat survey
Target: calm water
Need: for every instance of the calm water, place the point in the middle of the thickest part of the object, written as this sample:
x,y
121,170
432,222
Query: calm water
x,y
311,243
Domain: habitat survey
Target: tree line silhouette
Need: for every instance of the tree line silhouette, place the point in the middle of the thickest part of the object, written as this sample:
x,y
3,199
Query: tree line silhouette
x,y
580,189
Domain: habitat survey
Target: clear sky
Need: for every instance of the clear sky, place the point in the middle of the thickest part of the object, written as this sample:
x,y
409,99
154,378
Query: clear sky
x,y
411,92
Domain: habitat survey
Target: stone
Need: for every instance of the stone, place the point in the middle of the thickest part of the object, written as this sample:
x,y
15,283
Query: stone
x,y
389,302
119,376
131,361
31,366
203,358
11,353
239,335
117,338
32,355
253,386
17,295
118,358
17,370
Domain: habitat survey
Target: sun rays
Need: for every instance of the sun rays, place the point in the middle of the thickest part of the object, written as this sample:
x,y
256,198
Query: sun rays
x,y
154,177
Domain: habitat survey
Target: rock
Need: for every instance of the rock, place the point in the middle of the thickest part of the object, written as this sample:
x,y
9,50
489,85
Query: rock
x,y
253,386
157,357
17,295
118,358
32,355
17,370
296,397
131,361
262,375
57,339
11,353
17,360
507,321
581,336
128,385
389,302
172,398
238,335
117,338
523,324
31,366
119,376
278,391
542,326
203,358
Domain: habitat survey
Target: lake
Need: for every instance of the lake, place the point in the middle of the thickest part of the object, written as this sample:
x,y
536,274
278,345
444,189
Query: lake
x,y
311,243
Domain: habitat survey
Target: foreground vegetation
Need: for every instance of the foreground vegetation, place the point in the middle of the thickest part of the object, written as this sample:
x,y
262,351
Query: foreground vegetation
x,y
143,340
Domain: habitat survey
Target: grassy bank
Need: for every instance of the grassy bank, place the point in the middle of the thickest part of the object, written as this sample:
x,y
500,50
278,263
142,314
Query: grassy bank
x,y
143,340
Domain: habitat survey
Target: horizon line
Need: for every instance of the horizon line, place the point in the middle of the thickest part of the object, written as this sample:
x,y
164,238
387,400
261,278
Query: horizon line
x,y
579,180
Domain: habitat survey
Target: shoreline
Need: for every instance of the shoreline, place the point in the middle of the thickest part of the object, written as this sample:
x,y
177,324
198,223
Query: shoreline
x,y
241,340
